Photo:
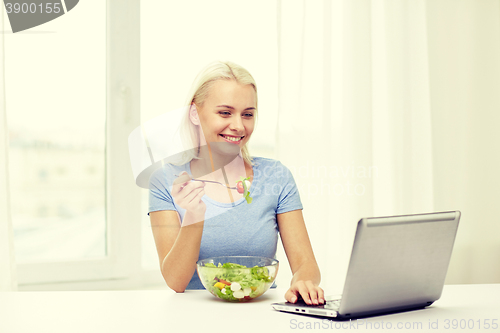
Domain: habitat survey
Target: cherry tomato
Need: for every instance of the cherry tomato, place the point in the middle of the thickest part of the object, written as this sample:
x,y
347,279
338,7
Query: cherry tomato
x,y
239,187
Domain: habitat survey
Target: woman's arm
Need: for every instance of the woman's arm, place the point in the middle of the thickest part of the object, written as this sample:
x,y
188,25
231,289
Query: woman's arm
x,y
178,248
305,270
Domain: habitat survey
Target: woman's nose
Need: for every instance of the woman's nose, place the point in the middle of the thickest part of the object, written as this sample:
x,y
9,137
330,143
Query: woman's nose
x,y
236,124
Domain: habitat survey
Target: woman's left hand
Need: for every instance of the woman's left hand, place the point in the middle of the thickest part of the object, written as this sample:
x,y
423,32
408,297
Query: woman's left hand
x,y
310,293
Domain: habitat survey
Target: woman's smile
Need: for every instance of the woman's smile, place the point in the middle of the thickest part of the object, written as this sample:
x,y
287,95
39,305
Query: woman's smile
x,y
232,138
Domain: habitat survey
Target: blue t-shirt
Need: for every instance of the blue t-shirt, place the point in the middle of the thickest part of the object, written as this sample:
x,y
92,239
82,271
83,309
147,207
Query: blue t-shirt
x,y
235,229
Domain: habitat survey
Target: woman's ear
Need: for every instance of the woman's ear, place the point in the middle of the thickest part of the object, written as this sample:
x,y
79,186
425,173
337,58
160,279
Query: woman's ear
x,y
193,114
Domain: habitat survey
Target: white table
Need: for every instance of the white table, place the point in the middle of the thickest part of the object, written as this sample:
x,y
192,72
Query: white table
x,y
165,311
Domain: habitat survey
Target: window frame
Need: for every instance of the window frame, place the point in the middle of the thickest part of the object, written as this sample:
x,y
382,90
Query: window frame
x,y
121,267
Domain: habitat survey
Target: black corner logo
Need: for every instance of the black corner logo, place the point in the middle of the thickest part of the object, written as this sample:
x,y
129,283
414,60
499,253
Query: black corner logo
x,y
26,14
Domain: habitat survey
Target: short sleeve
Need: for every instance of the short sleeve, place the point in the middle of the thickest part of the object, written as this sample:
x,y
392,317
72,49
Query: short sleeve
x,y
289,197
159,193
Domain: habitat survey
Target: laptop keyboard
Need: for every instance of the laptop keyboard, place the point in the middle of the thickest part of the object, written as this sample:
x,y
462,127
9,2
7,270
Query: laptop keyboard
x,y
333,304
329,304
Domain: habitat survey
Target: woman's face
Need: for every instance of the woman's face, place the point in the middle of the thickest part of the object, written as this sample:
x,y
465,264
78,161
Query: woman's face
x,y
228,113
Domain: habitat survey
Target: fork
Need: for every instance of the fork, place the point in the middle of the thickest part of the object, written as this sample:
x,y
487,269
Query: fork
x,y
211,181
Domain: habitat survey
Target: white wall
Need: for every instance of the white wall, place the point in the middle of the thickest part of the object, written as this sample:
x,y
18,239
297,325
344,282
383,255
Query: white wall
x,y
464,70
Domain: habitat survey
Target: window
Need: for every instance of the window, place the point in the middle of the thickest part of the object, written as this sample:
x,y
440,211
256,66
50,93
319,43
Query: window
x,y
68,113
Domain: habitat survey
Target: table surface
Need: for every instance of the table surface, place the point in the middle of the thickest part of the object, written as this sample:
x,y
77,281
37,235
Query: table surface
x,y
469,308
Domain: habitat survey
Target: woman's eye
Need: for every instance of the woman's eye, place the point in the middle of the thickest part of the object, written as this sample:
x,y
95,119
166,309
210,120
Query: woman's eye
x,y
248,115
224,113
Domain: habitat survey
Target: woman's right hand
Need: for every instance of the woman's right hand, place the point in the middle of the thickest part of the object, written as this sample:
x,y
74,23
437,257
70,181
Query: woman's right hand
x,y
187,194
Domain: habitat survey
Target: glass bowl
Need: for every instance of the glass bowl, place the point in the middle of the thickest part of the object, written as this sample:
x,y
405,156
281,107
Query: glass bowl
x,y
237,278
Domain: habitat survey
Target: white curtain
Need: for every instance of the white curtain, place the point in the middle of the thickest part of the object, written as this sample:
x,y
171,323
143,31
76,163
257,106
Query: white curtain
x,y
7,260
365,127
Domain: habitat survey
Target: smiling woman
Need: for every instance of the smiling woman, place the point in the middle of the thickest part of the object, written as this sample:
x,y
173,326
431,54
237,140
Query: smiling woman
x,y
194,220
225,122
224,90
226,111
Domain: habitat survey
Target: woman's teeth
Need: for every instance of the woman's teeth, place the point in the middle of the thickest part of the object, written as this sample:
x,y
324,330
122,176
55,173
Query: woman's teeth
x,y
231,138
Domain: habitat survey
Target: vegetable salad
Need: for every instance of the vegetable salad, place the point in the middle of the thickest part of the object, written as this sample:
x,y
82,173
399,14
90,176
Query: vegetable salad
x,y
233,284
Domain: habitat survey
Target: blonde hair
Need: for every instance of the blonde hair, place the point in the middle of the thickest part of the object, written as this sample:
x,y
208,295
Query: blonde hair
x,y
199,92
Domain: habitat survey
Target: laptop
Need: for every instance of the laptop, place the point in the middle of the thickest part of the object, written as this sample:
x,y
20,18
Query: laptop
x,y
398,263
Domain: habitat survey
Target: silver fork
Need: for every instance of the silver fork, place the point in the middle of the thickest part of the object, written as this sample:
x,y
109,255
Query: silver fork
x,y
211,181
